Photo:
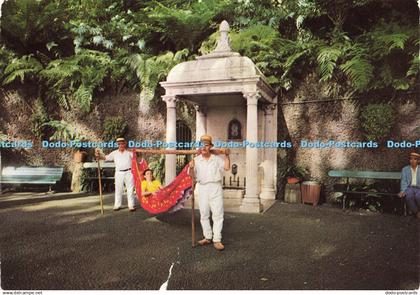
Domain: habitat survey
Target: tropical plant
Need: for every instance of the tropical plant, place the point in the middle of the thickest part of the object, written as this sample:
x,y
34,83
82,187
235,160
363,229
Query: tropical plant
x,y
377,121
27,26
187,26
114,127
157,165
23,68
150,70
63,131
38,118
292,170
76,77
6,57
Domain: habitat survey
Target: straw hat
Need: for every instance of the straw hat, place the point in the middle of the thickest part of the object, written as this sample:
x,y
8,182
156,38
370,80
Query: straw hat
x,y
206,139
415,155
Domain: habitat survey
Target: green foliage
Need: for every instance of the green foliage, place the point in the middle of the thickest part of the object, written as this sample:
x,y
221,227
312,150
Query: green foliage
x,y
29,25
24,68
75,49
260,12
259,42
114,127
417,130
359,71
157,165
3,137
291,170
38,118
377,121
151,70
63,131
413,70
108,25
77,77
6,57
327,61
188,26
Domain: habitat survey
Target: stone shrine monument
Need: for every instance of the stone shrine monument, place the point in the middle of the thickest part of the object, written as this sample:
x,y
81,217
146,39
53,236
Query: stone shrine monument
x,y
233,102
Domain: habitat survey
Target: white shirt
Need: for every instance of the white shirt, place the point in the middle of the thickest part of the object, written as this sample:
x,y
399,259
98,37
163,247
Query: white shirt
x,y
414,176
210,170
122,160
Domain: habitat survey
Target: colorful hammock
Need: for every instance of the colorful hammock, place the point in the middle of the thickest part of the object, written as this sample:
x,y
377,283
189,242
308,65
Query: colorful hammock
x,y
169,199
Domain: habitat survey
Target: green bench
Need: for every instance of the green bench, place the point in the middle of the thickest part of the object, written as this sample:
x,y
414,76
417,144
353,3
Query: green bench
x,y
31,175
107,173
348,174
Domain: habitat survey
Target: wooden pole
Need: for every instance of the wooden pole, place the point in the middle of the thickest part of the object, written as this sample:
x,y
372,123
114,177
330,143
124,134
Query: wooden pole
x,y
100,186
193,210
176,152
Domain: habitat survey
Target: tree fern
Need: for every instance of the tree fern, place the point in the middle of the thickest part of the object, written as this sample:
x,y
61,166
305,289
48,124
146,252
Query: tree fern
x,y
6,56
359,70
327,61
83,97
383,43
77,76
25,67
151,70
414,66
63,131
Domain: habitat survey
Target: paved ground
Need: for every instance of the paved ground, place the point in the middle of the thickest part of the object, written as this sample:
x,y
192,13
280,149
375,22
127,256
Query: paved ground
x,y
61,242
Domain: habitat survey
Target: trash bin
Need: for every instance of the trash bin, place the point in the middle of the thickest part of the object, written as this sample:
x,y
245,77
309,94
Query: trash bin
x,y
311,191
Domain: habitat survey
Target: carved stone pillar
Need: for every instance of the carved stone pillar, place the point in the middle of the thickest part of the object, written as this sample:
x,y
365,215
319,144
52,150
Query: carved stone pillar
x,y
268,190
201,121
170,160
251,202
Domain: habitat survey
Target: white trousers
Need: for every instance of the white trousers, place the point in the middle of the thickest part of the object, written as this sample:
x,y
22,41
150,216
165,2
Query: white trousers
x,y
210,200
121,178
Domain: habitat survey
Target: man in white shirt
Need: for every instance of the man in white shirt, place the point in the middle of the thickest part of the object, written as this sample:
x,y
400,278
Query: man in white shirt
x,y
410,184
208,170
122,159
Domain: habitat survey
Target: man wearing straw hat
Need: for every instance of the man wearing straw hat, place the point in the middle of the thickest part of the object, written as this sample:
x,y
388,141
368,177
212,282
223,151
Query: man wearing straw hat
x,y
122,159
410,184
208,170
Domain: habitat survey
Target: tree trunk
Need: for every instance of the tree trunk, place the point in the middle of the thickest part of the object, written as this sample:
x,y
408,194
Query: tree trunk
x,y
146,98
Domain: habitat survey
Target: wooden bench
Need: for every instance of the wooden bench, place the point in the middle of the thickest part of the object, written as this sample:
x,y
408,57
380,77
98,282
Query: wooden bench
x,y
92,171
348,174
31,175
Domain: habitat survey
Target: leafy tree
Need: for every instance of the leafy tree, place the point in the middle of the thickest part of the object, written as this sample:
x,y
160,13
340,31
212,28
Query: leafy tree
x,y
151,70
27,26
188,26
76,77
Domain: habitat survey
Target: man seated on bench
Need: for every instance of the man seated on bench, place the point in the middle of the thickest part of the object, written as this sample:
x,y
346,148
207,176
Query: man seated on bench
x,y
410,184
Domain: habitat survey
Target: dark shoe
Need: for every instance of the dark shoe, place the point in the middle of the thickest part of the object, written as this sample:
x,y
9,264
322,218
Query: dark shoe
x,y
218,246
117,208
132,209
204,242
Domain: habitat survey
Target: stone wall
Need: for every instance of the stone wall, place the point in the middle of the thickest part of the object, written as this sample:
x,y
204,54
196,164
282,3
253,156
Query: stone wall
x,y
16,107
338,119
